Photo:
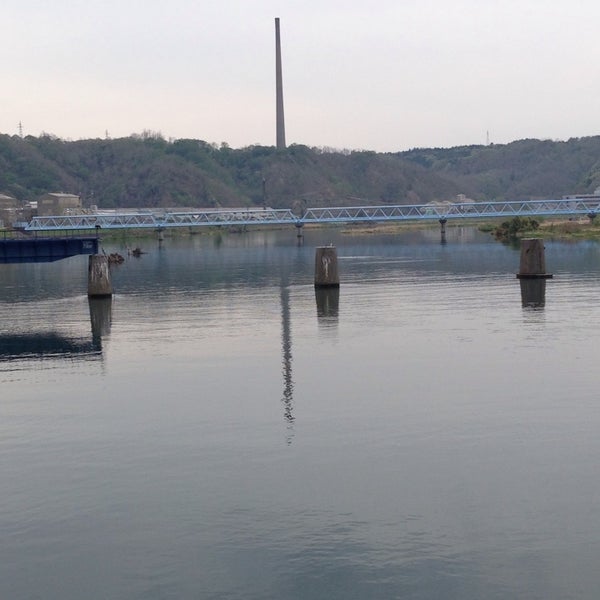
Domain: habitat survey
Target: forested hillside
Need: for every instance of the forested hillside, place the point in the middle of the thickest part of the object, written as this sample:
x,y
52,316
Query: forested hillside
x,y
147,170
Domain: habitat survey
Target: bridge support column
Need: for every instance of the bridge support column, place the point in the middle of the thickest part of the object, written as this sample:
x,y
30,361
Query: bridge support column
x,y
326,267
300,233
533,260
591,216
443,222
99,284
161,235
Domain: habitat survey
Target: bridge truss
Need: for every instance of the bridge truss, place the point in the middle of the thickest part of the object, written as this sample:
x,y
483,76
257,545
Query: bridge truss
x,y
157,219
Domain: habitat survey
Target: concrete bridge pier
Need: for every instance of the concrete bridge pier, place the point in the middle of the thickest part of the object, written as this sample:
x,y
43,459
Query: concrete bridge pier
x,y
99,283
161,234
443,222
300,233
326,267
533,260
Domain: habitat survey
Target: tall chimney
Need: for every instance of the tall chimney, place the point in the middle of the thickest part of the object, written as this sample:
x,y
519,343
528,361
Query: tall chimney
x,y
279,89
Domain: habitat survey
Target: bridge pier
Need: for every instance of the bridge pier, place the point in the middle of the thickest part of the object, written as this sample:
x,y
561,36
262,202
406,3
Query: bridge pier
x,y
300,233
99,284
161,234
326,268
443,222
533,260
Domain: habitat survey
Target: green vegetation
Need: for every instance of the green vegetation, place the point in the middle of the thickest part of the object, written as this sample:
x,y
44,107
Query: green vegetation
x,y
148,170
572,229
516,227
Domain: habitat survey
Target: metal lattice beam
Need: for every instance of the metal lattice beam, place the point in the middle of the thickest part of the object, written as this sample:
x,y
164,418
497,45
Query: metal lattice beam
x,y
348,214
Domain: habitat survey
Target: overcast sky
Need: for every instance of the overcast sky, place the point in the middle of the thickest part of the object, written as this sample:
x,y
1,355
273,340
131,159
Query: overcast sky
x,y
387,75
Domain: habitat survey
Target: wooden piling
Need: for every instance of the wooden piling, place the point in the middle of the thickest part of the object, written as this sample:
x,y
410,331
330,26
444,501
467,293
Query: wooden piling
x,y
533,260
99,284
326,267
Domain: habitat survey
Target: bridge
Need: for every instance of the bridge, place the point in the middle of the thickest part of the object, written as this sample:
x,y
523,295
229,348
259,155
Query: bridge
x,y
442,212
18,248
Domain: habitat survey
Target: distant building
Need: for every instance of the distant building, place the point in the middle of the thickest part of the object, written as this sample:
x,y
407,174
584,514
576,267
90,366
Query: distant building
x,y
7,201
56,204
8,210
467,204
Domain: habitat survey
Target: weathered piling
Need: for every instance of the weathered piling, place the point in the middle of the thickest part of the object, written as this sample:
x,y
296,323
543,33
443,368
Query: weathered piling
x,y
300,234
326,267
99,284
533,260
443,222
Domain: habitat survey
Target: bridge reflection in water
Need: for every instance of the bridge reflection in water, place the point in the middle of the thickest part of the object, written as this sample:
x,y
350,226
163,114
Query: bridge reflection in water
x,y
48,345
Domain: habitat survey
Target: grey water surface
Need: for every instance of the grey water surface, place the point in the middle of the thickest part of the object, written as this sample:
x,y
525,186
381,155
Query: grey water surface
x,y
218,430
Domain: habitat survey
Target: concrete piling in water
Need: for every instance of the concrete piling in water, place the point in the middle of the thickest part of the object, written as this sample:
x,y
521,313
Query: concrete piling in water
x,y
533,260
326,267
99,284
300,234
443,222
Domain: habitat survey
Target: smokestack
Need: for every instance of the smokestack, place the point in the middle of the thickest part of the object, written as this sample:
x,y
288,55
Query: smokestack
x,y
279,90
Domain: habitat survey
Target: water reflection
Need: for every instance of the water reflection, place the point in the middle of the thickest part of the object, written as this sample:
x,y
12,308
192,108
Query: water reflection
x,y
533,293
45,345
100,318
286,348
51,344
328,304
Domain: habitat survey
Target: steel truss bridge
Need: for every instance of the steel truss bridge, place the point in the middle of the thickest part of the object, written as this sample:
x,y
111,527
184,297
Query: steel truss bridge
x,y
160,219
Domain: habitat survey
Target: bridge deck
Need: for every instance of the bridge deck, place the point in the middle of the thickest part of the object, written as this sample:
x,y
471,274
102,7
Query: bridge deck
x,y
44,249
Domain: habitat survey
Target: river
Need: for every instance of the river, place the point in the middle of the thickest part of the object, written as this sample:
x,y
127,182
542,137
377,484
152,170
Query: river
x,y
220,431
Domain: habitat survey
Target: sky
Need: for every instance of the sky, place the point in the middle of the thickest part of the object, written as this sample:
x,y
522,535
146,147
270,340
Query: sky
x,y
388,75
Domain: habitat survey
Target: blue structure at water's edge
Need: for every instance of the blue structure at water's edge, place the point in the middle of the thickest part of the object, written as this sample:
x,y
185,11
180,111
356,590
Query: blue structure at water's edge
x,y
45,249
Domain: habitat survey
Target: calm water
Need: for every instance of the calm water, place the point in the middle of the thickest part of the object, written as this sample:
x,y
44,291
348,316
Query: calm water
x,y
218,431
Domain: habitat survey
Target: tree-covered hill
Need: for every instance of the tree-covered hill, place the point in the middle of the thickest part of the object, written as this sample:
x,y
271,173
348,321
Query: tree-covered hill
x,y
147,170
